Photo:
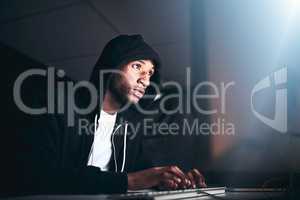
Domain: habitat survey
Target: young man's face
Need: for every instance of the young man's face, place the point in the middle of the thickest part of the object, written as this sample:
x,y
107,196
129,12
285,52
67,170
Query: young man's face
x,y
131,85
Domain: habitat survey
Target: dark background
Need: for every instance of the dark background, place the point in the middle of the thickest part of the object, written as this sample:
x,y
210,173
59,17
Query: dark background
x,y
222,41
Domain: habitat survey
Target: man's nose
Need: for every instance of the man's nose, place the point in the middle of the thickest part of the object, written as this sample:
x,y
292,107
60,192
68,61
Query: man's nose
x,y
144,80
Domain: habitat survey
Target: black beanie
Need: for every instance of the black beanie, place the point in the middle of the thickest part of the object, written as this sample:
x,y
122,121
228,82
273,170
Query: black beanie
x,y
122,50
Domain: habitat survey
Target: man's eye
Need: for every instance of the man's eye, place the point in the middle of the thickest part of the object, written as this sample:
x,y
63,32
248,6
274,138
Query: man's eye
x,y
136,66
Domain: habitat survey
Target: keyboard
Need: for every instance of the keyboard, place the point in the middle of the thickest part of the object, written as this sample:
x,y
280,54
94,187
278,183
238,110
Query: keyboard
x,y
172,194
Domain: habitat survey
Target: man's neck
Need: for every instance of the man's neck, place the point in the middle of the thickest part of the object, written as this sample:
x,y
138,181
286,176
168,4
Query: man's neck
x,y
109,104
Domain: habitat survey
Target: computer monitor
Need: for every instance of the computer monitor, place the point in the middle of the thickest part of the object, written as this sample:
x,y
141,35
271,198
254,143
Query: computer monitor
x,y
252,47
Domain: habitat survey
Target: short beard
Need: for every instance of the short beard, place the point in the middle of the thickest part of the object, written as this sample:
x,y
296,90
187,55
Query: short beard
x,y
118,93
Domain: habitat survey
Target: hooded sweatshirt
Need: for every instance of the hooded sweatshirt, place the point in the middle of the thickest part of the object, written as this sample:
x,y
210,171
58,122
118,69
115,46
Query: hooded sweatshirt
x,y
53,156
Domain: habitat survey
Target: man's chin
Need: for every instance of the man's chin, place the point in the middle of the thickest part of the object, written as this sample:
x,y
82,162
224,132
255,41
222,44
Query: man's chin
x,y
133,99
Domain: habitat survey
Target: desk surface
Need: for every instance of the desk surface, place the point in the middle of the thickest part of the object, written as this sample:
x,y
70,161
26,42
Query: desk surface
x,y
226,196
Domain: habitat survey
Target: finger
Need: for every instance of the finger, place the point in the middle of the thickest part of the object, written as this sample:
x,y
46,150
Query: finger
x,y
199,178
191,177
175,170
167,175
186,183
168,185
183,185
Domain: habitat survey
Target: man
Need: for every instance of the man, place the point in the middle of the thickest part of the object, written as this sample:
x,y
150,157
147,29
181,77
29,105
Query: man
x,y
57,158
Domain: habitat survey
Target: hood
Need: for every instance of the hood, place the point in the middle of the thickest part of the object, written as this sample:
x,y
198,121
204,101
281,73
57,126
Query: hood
x,y
121,50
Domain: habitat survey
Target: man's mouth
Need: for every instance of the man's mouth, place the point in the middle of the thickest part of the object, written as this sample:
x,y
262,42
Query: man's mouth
x,y
138,92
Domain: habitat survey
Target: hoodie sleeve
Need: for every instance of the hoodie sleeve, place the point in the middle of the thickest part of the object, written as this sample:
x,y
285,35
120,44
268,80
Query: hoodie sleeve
x,y
40,161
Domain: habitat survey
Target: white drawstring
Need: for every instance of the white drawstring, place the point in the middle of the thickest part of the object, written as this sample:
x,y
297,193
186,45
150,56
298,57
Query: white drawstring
x,y
114,148
95,123
113,144
92,148
124,148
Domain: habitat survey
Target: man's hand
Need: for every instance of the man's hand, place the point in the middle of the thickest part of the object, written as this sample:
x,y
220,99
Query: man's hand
x,y
170,177
196,178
